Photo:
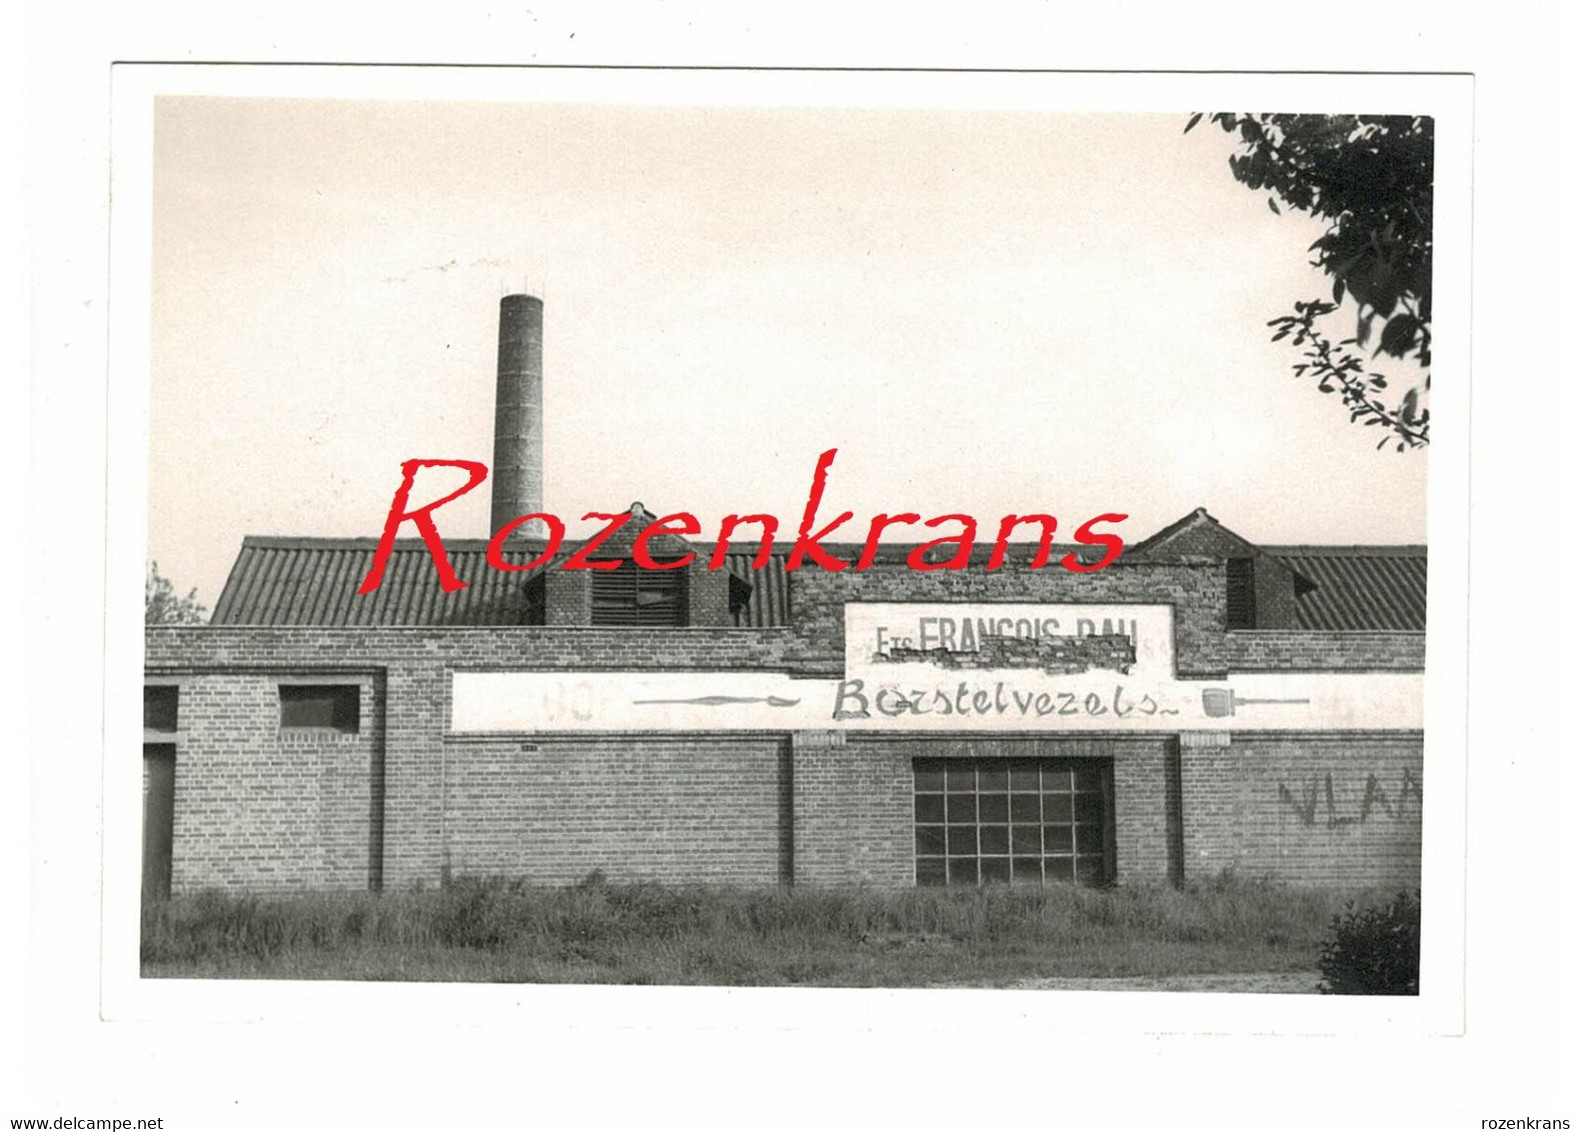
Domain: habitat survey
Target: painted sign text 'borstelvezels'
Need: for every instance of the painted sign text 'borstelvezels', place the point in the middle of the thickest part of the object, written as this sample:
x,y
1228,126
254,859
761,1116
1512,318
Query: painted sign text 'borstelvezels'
x,y
1071,668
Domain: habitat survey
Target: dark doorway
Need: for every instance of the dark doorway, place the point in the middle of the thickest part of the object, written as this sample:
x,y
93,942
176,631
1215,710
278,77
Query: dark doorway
x,y
159,812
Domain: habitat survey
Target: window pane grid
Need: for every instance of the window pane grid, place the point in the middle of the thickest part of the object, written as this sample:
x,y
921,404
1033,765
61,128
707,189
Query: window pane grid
x,y
1009,821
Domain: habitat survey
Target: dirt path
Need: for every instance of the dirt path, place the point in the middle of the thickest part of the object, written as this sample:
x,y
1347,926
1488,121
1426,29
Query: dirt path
x,y
1273,982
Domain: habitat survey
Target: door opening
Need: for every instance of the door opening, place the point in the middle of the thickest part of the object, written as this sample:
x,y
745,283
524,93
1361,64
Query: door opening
x,y
159,811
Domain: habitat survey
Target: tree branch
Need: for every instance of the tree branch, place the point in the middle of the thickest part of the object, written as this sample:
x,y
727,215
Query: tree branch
x,y
1339,370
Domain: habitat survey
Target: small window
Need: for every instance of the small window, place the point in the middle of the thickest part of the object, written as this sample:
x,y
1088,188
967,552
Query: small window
x,y
634,596
1242,593
333,707
159,707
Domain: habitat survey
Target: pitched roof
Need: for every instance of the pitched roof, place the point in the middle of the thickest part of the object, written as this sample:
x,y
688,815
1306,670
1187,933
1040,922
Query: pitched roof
x,y
1194,519
1198,533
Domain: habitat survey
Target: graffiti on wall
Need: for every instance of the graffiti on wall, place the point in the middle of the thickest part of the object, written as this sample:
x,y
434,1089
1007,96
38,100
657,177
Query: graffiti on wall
x,y
1376,798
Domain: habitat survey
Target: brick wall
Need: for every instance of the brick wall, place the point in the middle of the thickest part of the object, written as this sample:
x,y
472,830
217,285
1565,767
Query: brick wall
x,y
567,598
681,808
853,811
1276,602
1145,818
1273,581
708,596
1309,808
177,649
414,799
814,646
261,808
1270,650
414,664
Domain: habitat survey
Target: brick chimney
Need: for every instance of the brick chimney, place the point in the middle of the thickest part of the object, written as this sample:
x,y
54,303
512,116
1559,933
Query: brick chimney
x,y
518,414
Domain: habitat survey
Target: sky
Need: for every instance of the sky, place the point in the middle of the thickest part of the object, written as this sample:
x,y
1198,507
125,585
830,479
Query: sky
x,y
983,311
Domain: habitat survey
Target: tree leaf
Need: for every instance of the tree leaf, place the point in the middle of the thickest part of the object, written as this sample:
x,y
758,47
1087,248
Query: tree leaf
x,y
1194,118
1398,335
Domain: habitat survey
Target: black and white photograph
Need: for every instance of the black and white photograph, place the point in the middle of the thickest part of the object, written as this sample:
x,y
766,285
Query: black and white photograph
x,y
643,566
699,543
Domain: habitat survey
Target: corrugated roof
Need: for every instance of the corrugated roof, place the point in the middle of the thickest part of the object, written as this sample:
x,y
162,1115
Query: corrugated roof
x,y
313,581
302,581
769,604
1360,587
297,581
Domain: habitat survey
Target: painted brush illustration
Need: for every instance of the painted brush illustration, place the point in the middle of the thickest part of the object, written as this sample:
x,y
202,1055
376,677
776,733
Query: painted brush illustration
x,y
717,701
1219,702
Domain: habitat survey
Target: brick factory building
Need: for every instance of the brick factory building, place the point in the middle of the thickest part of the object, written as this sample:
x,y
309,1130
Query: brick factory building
x,y
1201,704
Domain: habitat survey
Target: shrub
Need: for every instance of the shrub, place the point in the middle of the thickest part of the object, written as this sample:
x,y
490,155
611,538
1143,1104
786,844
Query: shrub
x,y
1374,950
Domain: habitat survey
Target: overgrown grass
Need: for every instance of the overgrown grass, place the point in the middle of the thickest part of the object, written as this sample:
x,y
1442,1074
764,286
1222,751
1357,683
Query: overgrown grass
x,y
643,933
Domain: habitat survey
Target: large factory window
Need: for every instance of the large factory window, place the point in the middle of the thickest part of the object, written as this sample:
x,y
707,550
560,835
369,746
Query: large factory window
x,y
1026,821
634,596
332,707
